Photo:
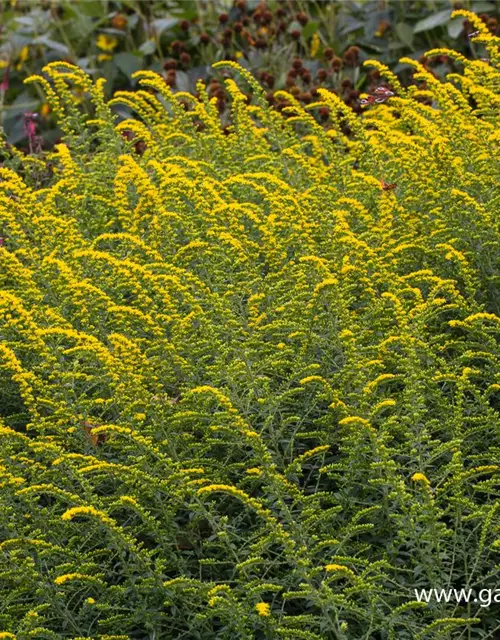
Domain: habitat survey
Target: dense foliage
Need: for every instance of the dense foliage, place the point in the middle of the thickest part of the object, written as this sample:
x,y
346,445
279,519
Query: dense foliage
x,y
299,45
249,381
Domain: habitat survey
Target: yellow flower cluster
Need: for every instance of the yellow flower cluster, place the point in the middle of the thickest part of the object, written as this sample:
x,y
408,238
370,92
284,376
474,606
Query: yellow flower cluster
x,y
224,351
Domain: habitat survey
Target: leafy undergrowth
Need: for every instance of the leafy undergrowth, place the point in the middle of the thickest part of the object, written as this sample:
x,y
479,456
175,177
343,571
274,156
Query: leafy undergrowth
x,y
249,383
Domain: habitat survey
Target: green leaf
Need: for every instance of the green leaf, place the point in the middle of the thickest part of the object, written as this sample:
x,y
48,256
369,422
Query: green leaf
x,y
52,45
310,28
93,8
480,7
405,33
163,24
148,47
435,20
455,27
128,63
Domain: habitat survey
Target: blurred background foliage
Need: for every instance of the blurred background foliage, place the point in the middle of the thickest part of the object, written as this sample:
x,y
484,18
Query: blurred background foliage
x,y
293,44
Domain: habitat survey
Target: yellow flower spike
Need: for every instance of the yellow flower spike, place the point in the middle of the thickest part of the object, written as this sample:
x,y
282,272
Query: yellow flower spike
x,y
263,609
420,477
87,511
340,569
254,471
81,577
315,45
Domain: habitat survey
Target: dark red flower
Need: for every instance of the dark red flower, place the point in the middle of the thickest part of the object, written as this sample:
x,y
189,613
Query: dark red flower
x,y
302,18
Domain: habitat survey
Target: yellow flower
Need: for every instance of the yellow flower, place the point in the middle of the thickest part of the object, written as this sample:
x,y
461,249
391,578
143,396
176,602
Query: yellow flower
x,y
90,601
45,109
238,55
3,63
69,577
24,54
420,477
335,567
88,511
104,57
263,609
106,42
315,42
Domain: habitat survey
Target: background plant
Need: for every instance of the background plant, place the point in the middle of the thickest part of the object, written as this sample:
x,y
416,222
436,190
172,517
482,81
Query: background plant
x,y
292,44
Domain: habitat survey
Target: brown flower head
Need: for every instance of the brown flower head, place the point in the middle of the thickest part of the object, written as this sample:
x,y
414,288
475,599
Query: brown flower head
x,y
351,56
177,46
306,76
302,18
170,64
171,78
119,21
337,64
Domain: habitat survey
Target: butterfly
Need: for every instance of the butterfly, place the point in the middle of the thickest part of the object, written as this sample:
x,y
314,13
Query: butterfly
x,y
381,94
388,186
95,439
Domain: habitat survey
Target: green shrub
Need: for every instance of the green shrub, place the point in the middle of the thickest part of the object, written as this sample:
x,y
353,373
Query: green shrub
x,y
249,378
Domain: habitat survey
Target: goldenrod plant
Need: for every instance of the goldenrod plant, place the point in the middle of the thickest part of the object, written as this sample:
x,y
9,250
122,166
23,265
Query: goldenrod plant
x,y
249,375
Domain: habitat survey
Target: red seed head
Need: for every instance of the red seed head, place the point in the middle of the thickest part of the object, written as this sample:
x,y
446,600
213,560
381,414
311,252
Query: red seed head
x,y
170,64
302,18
